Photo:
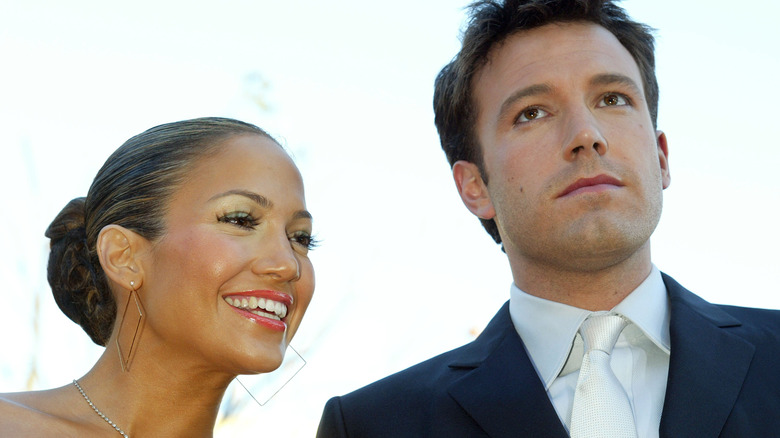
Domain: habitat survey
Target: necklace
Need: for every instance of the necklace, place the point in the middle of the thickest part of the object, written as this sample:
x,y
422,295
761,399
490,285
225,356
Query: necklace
x,y
97,411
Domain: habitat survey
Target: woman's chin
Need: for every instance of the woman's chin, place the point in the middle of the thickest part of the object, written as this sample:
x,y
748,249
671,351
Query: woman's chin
x,y
270,360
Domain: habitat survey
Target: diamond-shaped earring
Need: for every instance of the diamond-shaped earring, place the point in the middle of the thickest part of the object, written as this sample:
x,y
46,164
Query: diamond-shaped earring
x,y
130,328
263,387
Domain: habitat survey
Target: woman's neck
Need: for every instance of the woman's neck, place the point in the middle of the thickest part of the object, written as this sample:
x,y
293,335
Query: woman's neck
x,y
153,398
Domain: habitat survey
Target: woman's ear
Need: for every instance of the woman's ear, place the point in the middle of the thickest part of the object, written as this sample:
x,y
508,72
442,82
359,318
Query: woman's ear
x,y
472,189
120,251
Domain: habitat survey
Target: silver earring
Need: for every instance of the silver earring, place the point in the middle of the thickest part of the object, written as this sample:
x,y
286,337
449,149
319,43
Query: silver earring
x,y
261,388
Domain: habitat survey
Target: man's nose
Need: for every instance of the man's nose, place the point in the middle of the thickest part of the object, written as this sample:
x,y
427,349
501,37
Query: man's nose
x,y
584,136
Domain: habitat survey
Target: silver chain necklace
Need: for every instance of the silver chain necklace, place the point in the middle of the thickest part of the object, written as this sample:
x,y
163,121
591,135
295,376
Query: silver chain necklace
x,y
97,411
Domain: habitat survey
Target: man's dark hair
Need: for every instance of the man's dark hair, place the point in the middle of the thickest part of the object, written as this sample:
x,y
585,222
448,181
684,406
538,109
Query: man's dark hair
x,y
491,23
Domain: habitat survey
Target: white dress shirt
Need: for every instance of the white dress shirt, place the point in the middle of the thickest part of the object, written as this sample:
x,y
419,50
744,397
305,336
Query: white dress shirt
x,y
640,358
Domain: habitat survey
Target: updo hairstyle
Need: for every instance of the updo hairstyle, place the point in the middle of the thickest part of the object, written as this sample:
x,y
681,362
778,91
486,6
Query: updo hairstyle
x,y
132,189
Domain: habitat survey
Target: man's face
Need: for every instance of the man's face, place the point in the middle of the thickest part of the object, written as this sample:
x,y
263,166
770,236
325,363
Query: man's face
x,y
575,169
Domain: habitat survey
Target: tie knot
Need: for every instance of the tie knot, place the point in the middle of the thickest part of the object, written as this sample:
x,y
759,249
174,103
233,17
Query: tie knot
x,y
600,332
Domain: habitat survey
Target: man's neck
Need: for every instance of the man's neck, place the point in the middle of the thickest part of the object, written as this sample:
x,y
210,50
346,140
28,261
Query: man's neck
x,y
591,289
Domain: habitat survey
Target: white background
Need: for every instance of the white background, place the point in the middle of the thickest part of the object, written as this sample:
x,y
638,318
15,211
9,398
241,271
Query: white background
x,y
404,272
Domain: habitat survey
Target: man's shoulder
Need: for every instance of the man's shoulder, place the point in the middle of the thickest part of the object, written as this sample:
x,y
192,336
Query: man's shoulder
x,y
756,320
748,322
419,380
433,376
411,402
755,314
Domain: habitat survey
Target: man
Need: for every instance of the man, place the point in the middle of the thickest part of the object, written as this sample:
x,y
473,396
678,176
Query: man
x,y
548,118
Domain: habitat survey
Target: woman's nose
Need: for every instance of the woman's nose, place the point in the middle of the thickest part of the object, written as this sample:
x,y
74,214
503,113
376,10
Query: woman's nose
x,y
276,258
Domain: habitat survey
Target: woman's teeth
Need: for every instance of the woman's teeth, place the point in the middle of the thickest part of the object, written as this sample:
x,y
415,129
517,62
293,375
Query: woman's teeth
x,y
273,309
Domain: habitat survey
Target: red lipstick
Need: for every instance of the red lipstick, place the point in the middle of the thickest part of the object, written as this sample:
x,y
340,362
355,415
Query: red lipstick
x,y
250,305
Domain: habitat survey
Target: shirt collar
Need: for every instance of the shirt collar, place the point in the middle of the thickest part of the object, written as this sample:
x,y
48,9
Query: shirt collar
x,y
548,328
648,308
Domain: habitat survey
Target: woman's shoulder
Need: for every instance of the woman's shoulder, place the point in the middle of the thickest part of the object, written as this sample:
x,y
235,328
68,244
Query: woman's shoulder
x,y
36,412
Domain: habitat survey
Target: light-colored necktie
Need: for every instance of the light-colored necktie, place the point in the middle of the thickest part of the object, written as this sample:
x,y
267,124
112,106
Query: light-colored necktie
x,y
601,406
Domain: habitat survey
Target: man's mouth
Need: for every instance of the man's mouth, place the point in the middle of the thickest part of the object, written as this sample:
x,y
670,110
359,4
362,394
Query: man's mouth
x,y
594,184
259,306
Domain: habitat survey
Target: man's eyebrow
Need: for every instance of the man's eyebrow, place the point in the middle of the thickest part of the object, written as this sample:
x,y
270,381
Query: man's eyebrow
x,y
615,79
259,199
529,91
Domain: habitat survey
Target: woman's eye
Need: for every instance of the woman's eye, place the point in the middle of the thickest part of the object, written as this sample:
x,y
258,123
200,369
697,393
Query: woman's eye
x,y
304,239
531,114
239,219
613,99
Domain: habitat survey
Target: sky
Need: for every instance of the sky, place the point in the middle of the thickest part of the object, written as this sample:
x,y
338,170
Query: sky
x,y
404,271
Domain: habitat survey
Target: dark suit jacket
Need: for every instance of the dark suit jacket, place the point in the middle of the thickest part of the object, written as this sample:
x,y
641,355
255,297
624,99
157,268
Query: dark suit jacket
x,y
724,380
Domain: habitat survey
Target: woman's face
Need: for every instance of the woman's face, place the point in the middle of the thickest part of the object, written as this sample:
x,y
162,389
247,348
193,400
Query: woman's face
x,y
227,285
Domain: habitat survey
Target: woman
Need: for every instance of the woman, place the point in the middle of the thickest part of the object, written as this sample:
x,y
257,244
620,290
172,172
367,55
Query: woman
x,y
188,261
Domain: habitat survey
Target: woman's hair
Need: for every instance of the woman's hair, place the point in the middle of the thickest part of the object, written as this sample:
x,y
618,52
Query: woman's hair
x,y
133,190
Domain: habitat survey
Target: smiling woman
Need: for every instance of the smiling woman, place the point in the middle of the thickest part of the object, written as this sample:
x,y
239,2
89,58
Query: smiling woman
x,y
188,260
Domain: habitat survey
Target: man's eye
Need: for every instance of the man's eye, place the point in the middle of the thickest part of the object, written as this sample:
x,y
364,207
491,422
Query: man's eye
x,y
531,114
613,99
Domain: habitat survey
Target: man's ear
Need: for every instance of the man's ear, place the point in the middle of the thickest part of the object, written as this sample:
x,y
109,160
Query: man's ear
x,y
119,251
473,191
663,158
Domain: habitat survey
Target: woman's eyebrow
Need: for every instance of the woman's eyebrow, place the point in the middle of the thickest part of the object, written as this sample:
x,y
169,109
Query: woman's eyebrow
x,y
302,214
259,199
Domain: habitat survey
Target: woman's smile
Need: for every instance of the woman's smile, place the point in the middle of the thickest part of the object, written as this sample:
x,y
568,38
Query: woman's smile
x,y
265,307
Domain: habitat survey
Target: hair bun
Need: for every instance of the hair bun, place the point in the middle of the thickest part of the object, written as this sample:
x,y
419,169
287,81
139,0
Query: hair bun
x,y
131,190
75,276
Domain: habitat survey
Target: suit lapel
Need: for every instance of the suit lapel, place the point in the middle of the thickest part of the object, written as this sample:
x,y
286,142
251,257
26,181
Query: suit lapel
x,y
707,366
503,393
